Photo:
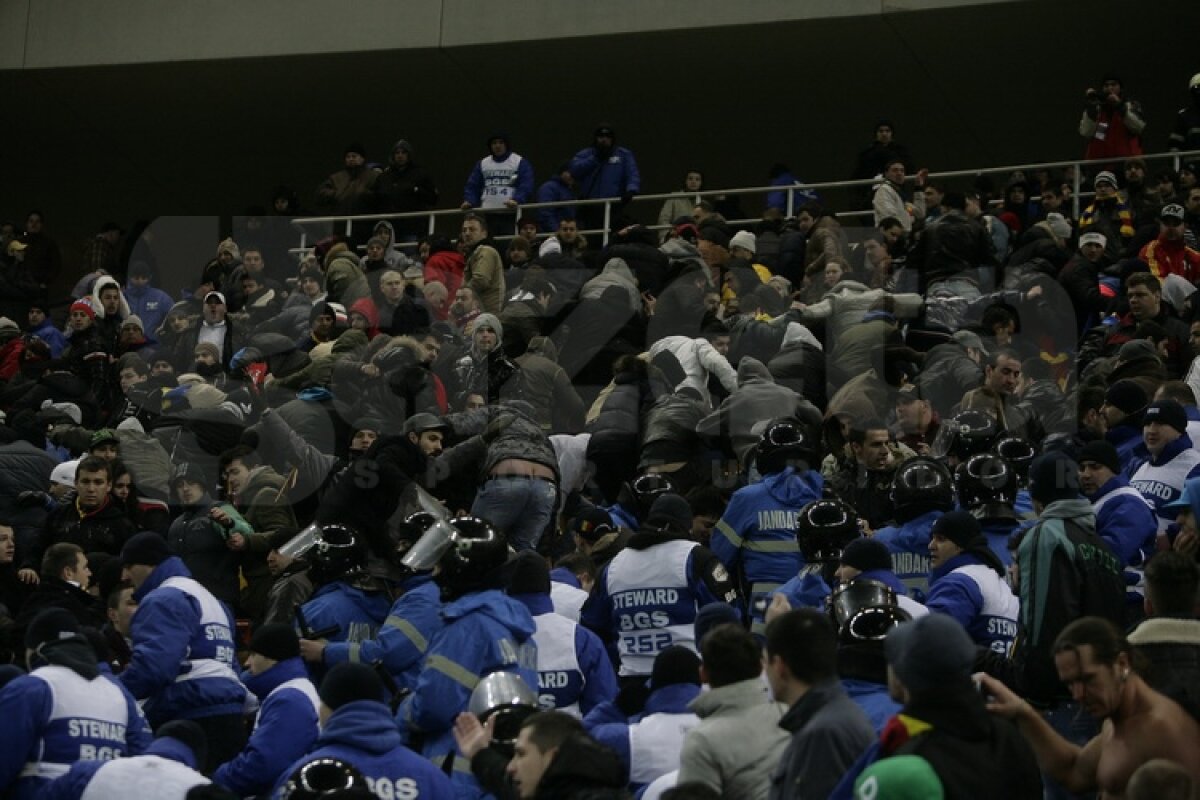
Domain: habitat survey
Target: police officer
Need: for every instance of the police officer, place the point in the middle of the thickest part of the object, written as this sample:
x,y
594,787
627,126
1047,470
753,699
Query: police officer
x,y
965,434
183,649
574,671
987,488
646,599
412,621
824,528
1019,455
636,497
485,631
63,711
347,601
756,536
968,582
921,492
869,560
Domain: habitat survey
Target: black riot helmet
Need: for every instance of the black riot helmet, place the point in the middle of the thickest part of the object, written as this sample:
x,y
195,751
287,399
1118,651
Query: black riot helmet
x,y
987,486
824,528
921,485
326,777
410,531
338,553
1018,453
476,552
783,443
640,493
967,433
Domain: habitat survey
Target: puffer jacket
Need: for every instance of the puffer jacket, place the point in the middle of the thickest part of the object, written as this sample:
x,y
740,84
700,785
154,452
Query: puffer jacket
x,y
23,467
826,244
546,387
846,303
342,270
521,437
953,246
615,273
948,374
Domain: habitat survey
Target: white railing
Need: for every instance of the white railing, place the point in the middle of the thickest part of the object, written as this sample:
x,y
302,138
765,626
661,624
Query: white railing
x,y
791,191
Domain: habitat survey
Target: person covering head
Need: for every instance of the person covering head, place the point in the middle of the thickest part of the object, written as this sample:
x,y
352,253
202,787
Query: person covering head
x,y
146,548
930,653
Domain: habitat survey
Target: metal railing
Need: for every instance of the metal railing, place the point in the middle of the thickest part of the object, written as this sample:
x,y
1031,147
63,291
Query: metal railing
x,y
790,190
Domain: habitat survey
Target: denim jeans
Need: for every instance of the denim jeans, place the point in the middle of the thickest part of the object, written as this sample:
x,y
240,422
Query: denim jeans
x,y
520,508
1076,726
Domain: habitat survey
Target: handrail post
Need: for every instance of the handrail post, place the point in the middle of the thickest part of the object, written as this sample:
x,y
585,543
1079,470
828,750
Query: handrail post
x,y
791,201
607,221
1075,198
349,228
303,239
432,223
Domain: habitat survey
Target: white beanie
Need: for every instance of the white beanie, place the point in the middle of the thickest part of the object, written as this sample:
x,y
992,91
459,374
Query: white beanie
x,y
64,473
745,240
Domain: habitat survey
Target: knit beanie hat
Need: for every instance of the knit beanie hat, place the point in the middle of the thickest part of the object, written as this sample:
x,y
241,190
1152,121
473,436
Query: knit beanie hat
x,y
959,527
83,305
670,511
591,523
1126,395
528,574
1137,349
276,641
930,653
135,321
207,348
348,682
744,239
1053,476
489,321
64,473
676,664
189,734
148,548
1166,412
865,554
51,625
205,395
1102,453
712,615
1058,225
356,147
228,245
899,778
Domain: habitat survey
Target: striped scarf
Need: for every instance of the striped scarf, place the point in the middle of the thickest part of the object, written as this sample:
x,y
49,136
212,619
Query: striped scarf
x,y
1090,215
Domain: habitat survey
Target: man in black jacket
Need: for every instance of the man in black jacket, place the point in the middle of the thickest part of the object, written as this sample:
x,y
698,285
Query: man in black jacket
x,y
63,584
953,247
405,187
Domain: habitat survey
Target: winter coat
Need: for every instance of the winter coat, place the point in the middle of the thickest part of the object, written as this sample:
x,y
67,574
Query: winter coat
x,y
646,261
285,729
738,741
167,769
546,387
800,366
200,543
150,305
952,246
889,202
355,613
698,360
445,267
484,273
669,431
179,628
615,273
846,303
1125,520
574,670
363,733
1172,648
610,175
348,191
829,733
826,244
104,529
948,374
23,468
522,438
342,270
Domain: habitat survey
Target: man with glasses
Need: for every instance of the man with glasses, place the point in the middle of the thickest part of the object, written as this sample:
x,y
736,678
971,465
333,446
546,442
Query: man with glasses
x,y
1169,254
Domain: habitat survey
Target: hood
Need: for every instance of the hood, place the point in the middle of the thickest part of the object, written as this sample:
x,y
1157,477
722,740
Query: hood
x,y
797,333
543,346
619,268
266,682
339,250
391,230
101,282
173,749
498,606
751,370
733,698
349,341
362,725
366,307
260,479
792,489
491,321
671,699
75,654
1078,511
847,287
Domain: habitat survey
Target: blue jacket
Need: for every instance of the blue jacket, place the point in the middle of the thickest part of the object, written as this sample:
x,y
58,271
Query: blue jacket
x,y
590,682
484,632
51,336
806,590
285,730
554,191
1126,439
756,536
873,699
150,305
612,177
778,198
171,639
1160,479
608,726
403,638
72,785
364,734
909,546
622,516
984,607
523,186
1125,521
998,532
31,733
356,613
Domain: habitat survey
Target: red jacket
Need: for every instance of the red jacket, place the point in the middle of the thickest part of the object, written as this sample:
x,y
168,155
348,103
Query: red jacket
x,y
446,267
1171,257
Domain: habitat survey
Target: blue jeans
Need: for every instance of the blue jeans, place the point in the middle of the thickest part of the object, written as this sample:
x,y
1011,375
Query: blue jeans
x,y
1076,726
520,508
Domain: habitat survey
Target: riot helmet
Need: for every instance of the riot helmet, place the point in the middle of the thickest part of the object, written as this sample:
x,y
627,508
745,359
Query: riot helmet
x,y
967,433
864,610
326,777
1018,453
987,485
639,495
338,553
783,443
921,485
506,697
824,528
476,551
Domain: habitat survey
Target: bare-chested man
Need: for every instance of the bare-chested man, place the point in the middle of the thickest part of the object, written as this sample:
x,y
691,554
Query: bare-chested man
x,y
1095,663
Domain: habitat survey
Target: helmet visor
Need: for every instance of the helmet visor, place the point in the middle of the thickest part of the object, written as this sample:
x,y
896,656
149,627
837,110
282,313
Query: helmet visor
x,y
430,548
302,543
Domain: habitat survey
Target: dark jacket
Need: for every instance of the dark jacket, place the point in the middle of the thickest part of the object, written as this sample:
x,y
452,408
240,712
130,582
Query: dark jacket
x,y
953,246
54,592
829,733
23,467
1172,648
800,366
104,530
583,770
948,374
1081,280
201,544
402,190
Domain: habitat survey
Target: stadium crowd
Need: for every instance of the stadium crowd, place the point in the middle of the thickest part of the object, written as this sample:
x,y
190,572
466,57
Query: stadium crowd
x,y
779,510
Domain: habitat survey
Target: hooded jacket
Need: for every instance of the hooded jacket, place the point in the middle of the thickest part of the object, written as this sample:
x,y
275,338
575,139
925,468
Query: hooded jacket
x,y
166,769
484,632
67,693
364,734
183,649
1124,519
355,612
756,536
908,544
846,303
616,272
149,304
652,739
1067,572
286,727
574,671
738,741
975,593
